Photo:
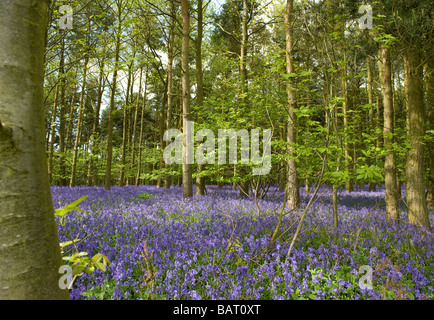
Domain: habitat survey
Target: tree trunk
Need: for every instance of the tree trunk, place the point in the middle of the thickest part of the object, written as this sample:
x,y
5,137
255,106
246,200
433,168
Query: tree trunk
x,y
200,181
30,252
169,80
372,186
136,114
62,120
141,131
112,102
187,179
416,202
162,142
125,124
430,105
390,159
293,190
80,115
349,184
93,169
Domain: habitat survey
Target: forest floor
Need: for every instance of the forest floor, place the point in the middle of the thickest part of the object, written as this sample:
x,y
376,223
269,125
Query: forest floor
x,y
217,247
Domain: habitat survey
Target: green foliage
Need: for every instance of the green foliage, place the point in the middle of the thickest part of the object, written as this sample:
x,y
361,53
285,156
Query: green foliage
x,y
146,196
101,293
79,261
371,174
68,208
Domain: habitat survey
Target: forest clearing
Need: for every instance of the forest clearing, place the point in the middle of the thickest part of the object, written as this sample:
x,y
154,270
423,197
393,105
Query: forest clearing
x,y
216,150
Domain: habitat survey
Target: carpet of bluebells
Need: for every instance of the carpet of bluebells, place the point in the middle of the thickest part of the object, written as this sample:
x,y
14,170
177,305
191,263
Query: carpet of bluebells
x,y
217,246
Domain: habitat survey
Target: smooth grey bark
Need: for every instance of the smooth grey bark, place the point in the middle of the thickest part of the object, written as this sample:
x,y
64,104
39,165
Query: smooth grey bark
x,y
29,244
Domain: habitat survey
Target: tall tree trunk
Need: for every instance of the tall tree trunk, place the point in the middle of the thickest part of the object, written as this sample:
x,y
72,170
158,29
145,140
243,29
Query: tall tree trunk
x,y
293,190
93,169
200,181
390,159
349,184
62,120
80,114
141,131
244,185
125,125
372,186
70,124
133,134
112,102
430,106
187,178
29,250
169,79
416,202
162,142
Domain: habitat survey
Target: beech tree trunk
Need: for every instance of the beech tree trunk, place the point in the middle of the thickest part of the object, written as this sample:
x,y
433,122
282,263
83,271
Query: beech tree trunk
x,y
293,190
112,102
62,118
29,250
200,181
391,193
416,202
141,131
430,105
125,124
80,114
187,178
372,186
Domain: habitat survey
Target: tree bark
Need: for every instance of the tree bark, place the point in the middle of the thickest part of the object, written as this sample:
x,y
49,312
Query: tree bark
x,y
62,119
391,194
430,106
141,131
349,184
200,181
293,190
372,186
29,250
125,124
80,113
112,102
93,169
133,137
416,202
187,178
